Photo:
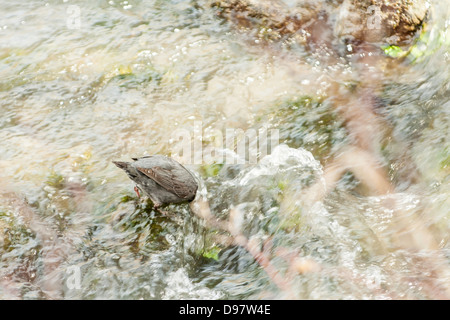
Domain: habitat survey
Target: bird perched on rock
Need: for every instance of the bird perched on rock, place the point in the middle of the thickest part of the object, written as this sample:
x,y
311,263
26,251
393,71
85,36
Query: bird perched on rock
x,y
163,179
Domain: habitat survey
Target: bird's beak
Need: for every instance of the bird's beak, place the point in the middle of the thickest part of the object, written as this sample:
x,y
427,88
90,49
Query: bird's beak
x,y
121,164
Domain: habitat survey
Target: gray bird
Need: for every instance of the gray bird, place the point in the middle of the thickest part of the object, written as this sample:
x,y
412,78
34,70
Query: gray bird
x,y
163,179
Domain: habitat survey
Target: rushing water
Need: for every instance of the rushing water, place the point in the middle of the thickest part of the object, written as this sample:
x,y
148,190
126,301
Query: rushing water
x,y
85,83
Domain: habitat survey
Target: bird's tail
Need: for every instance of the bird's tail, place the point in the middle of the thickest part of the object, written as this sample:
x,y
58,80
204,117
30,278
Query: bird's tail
x,y
121,164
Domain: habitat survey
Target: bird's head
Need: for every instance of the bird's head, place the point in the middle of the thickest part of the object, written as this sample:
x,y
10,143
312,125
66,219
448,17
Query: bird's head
x,y
129,170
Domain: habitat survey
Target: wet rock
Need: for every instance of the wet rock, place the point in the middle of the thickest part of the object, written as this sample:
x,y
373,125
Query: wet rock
x,y
391,21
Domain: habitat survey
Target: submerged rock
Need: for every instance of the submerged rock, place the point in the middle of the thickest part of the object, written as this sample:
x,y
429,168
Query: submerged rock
x,y
391,21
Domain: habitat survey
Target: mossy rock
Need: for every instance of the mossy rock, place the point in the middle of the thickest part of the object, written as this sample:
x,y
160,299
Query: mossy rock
x,y
147,227
129,79
211,170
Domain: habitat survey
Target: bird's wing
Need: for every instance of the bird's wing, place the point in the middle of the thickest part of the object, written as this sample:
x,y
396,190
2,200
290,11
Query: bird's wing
x,y
169,181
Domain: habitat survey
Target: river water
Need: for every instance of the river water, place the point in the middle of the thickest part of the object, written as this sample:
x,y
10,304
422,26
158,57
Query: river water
x,y
87,82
